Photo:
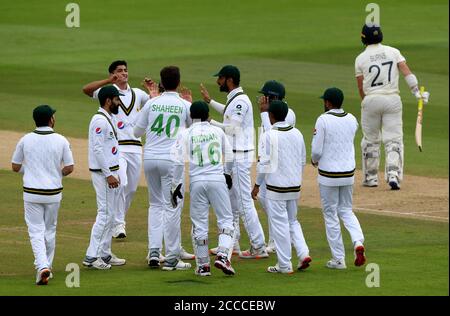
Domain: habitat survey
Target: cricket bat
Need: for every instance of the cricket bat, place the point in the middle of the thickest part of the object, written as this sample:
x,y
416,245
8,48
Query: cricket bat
x,y
419,121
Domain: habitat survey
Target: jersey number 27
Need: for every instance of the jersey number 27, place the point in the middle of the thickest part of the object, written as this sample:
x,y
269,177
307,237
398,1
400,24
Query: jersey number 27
x,y
378,69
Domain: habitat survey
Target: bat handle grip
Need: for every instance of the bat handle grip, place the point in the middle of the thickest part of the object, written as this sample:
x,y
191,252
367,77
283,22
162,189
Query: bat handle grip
x,y
422,90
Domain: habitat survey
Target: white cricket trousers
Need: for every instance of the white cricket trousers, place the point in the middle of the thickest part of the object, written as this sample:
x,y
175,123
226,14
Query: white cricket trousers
x,y
282,219
337,204
164,221
41,219
214,193
381,120
242,204
129,173
107,201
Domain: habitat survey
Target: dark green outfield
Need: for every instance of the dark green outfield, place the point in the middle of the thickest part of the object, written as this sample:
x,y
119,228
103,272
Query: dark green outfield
x,y
412,255
308,45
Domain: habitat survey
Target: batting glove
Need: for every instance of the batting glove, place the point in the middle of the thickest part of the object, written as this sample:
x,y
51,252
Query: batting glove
x,y
228,180
176,194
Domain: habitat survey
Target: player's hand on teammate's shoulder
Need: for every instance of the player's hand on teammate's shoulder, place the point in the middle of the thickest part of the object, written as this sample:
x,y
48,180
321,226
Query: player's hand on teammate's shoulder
x,y
185,93
205,93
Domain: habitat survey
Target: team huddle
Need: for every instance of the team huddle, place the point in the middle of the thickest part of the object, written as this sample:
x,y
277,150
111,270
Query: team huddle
x,y
181,138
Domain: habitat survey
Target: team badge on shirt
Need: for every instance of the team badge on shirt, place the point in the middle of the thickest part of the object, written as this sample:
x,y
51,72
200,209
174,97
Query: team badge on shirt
x,y
120,125
114,150
98,130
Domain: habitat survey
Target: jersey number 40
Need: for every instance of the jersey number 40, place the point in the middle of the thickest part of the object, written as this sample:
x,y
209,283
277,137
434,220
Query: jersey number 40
x,y
158,127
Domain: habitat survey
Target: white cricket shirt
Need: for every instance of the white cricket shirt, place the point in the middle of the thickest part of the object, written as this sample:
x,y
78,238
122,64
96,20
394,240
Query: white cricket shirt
x,y
163,118
282,158
43,153
333,148
239,108
133,100
103,144
206,147
378,64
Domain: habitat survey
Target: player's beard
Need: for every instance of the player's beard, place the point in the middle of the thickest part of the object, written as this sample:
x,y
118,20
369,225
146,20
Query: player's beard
x,y
114,108
224,87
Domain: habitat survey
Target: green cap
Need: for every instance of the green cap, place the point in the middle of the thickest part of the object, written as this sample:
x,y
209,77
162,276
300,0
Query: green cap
x,y
42,114
279,109
108,92
199,110
229,71
334,95
274,88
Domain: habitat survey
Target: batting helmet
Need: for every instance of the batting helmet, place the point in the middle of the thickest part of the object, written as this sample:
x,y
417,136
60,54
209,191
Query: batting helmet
x,y
273,88
371,34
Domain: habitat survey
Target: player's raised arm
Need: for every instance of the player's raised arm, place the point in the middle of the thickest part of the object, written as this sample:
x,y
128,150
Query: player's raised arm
x,y
92,86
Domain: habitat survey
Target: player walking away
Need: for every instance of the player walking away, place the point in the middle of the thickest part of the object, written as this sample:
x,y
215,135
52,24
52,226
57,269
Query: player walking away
x,y
43,157
130,154
205,146
333,152
238,126
283,157
162,118
377,72
271,90
104,167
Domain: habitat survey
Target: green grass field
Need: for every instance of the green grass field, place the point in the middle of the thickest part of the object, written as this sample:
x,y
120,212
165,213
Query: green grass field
x,y
412,256
308,45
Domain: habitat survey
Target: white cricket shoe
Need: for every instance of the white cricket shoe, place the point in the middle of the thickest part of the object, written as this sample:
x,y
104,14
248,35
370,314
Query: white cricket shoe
x,y
184,255
115,261
98,264
254,253
271,247
370,183
42,276
393,182
336,264
180,265
276,269
119,231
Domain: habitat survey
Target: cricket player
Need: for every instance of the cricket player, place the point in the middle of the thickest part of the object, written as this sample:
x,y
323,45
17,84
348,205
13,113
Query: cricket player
x,y
377,72
271,90
205,146
162,118
130,153
104,167
238,126
333,153
43,157
280,168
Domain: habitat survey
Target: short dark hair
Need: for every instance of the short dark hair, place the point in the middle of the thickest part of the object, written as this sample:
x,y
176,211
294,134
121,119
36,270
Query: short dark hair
x,y
115,64
170,77
279,110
